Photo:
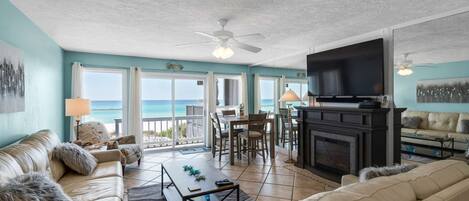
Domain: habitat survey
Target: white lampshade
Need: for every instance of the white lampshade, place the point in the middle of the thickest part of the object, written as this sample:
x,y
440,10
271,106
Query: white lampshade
x,y
289,96
222,52
77,107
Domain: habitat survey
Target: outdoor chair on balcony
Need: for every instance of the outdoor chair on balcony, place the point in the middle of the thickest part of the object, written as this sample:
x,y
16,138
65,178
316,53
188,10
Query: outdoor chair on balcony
x,y
95,133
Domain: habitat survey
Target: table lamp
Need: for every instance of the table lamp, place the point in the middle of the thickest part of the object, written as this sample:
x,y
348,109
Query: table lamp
x,y
77,108
289,96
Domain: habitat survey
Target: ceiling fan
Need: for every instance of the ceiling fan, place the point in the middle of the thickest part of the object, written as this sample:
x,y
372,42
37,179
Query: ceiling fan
x,y
405,66
225,40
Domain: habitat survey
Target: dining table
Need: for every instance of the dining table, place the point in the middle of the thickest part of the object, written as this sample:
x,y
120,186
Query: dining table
x,y
236,121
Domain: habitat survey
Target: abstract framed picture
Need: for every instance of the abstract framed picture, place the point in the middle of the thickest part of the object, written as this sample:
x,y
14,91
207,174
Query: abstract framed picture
x,y
453,90
12,89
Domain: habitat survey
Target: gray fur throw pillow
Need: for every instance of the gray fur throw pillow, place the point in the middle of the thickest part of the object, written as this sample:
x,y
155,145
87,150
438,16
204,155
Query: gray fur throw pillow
x,y
411,122
32,186
373,172
76,158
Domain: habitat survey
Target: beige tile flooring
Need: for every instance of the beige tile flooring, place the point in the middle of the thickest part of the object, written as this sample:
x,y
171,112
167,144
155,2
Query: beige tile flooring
x,y
272,180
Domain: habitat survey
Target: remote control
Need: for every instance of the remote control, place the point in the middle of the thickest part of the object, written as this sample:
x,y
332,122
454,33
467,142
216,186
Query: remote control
x,y
223,182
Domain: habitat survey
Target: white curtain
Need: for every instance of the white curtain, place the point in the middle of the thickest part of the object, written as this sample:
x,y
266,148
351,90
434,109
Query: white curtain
x,y
77,71
211,106
257,93
281,90
244,92
134,107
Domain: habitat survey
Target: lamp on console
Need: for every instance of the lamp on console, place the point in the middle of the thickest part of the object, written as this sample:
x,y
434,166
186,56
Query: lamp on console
x,y
77,107
289,96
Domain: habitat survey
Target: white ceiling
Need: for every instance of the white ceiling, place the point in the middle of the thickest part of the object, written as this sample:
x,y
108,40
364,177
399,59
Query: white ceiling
x,y
152,28
438,41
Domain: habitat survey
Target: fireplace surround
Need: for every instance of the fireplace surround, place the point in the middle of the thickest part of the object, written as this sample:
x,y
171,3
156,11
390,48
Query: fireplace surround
x,y
335,141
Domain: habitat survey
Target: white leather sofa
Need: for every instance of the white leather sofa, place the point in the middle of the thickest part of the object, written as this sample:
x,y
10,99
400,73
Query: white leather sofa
x,y
445,180
438,124
33,154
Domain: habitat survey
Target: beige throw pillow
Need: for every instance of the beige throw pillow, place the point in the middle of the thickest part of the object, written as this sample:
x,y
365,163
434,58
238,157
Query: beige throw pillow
x,y
76,158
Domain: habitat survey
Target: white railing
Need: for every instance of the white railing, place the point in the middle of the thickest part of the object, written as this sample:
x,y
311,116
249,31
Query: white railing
x,y
158,131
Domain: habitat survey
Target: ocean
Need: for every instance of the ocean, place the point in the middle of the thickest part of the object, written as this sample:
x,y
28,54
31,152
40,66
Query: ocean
x,y
107,111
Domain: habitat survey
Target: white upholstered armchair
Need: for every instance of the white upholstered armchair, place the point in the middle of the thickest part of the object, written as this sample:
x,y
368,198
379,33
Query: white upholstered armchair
x,y
93,133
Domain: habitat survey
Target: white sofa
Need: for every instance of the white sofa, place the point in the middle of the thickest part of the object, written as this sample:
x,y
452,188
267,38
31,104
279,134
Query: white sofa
x,y
438,124
445,180
33,154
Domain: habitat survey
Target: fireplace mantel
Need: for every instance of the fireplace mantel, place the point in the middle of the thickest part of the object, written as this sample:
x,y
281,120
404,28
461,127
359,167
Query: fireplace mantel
x,y
357,135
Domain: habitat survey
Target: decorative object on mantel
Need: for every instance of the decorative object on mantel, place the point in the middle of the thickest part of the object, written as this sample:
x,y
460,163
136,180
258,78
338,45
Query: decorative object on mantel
x,y
11,79
289,96
174,67
453,90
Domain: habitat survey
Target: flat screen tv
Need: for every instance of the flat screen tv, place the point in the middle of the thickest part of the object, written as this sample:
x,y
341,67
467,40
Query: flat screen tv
x,y
355,70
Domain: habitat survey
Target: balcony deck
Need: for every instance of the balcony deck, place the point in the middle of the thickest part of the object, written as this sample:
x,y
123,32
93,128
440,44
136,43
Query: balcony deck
x,y
158,131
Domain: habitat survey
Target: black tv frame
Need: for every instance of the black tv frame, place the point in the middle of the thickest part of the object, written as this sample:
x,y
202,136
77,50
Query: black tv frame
x,y
352,98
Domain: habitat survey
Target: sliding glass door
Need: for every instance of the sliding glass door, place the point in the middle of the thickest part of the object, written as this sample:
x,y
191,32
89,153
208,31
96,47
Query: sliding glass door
x,y
173,110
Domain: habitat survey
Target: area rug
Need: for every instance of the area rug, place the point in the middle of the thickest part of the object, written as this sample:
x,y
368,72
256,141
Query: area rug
x,y
193,150
153,193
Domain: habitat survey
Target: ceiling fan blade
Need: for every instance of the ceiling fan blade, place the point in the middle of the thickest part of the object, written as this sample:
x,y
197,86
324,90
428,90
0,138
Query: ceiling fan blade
x,y
245,46
206,35
194,44
256,36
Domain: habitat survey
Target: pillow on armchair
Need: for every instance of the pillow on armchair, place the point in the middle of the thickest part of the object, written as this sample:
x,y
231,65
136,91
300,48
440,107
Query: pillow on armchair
x,y
93,133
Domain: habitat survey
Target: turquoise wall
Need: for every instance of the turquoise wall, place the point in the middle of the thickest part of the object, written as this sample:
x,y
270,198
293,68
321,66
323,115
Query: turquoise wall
x,y
405,87
43,77
110,61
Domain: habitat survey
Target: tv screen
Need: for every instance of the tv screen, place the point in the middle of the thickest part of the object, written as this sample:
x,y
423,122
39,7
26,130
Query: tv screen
x,y
355,70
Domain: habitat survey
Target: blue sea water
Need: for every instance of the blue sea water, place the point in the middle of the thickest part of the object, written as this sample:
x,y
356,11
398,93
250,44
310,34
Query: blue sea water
x,y
107,111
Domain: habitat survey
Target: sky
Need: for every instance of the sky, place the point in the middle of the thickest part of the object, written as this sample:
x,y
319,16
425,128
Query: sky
x,y
108,86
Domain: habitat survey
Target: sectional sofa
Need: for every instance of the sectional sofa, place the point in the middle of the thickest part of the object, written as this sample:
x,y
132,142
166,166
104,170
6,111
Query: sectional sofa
x,y
33,154
439,124
445,180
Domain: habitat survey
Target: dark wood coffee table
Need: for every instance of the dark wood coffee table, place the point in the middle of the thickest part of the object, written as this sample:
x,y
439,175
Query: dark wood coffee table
x,y
445,150
180,181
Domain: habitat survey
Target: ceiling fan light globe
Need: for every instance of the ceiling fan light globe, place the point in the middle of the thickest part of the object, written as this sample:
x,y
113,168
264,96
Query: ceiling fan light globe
x,y
222,52
405,72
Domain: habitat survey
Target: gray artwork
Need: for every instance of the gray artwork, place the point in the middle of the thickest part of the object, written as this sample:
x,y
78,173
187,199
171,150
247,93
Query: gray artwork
x,y
454,90
11,79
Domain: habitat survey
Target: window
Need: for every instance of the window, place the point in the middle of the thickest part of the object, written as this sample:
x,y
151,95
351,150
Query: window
x,y
267,96
300,87
104,88
228,92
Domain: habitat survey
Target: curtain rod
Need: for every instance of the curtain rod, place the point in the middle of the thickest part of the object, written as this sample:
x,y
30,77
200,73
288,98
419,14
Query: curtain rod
x,y
182,72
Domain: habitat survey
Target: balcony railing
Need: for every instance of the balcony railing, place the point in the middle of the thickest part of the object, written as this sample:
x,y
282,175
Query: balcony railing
x,y
158,131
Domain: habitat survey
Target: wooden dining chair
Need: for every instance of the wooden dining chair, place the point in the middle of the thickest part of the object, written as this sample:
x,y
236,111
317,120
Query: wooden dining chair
x,y
287,127
222,136
267,129
255,134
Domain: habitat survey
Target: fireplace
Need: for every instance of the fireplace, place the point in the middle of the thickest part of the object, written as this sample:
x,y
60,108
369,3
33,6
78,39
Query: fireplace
x,y
334,141
333,152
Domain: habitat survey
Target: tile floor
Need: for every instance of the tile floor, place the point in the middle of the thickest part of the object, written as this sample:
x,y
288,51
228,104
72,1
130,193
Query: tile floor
x,y
273,180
